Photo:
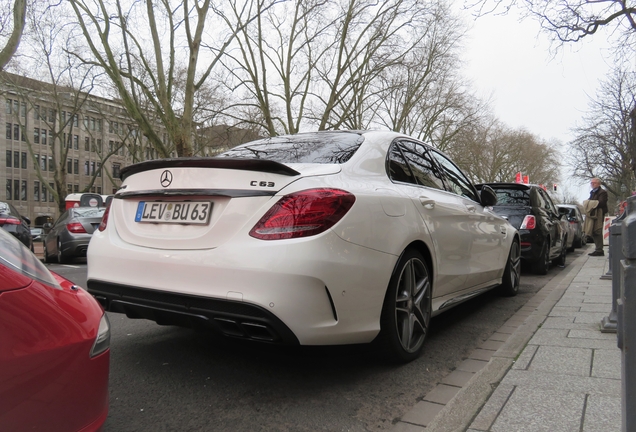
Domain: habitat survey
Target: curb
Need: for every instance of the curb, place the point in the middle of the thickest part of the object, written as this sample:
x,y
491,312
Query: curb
x,y
458,412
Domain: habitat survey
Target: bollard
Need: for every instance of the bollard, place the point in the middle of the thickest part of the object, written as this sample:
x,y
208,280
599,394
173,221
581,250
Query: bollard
x,y
612,245
626,316
609,323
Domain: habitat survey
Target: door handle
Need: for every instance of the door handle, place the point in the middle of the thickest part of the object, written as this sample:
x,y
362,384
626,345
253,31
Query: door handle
x,y
427,202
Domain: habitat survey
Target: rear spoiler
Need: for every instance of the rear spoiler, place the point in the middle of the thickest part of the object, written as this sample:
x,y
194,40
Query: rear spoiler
x,y
260,165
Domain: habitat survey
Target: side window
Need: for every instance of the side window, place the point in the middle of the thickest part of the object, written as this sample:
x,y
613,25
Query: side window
x,y
61,220
398,168
457,182
422,165
549,205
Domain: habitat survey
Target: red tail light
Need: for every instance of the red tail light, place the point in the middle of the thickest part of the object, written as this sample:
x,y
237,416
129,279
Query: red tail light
x,y
9,220
303,214
104,222
529,222
75,227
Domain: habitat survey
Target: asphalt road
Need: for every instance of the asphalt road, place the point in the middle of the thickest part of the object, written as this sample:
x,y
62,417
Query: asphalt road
x,y
174,379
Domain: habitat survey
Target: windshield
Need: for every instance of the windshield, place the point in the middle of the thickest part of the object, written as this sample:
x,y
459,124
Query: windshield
x,y
16,256
321,148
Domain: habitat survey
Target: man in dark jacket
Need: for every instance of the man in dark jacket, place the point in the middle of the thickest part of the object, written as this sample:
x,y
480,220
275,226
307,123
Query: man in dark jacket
x,y
598,193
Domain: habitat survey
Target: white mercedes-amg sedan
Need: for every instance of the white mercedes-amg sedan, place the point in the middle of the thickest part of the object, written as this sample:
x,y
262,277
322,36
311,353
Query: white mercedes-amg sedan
x,y
321,238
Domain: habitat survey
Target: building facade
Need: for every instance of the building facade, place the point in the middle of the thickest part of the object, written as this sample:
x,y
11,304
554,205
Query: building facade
x,y
49,130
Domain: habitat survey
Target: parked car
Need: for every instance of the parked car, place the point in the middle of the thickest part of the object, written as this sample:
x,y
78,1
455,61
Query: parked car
x,y
69,236
36,234
54,348
575,219
13,222
530,209
319,238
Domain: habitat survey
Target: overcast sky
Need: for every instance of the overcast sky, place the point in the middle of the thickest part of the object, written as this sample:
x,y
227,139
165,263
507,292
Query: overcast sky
x,y
545,93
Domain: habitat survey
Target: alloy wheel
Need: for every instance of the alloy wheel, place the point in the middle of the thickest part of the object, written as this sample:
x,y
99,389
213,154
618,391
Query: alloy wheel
x,y
413,305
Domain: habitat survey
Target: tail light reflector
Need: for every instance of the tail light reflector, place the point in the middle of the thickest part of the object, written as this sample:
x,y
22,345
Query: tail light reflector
x,y
8,220
75,227
529,222
104,222
303,214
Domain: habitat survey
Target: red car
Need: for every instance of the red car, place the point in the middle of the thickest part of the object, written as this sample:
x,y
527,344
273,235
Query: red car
x,y
54,348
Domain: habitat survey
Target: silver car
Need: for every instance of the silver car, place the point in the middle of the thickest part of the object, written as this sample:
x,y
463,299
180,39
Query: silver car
x,y
68,237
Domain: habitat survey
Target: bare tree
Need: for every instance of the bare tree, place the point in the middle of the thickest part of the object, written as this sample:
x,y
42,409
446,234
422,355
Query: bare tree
x,y
17,28
492,152
601,147
141,45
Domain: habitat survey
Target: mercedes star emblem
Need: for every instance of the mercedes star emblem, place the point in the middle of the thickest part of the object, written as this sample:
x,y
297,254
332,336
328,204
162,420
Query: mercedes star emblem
x,y
166,178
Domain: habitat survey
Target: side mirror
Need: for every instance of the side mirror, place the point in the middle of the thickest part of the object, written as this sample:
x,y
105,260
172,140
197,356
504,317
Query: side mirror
x,y
47,227
488,196
27,220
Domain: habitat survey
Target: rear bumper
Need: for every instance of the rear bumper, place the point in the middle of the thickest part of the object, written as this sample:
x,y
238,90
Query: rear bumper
x,y
230,318
531,244
320,290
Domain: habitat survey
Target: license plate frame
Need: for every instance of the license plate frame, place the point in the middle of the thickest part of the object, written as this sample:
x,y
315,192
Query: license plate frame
x,y
174,212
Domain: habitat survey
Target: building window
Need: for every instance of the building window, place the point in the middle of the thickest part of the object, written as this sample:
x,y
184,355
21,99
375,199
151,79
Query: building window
x,y
99,145
51,196
98,123
87,144
36,161
76,120
16,107
36,135
64,118
99,169
111,145
16,159
36,112
24,160
23,191
99,190
52,114
51,167
76,142
9,156
92,168
75,188
9,194
44,192
86,170
9,102
93,145
43,163
23,110
92,120
16,132
23,128
69,189
69,166
9,127
116,168
16,190
75,166
36,191
43,137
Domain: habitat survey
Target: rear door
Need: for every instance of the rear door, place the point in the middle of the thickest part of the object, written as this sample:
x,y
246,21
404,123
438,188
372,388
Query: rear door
x,y
486,251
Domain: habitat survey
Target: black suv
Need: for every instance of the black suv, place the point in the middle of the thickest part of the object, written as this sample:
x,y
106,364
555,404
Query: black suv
x,y
530,209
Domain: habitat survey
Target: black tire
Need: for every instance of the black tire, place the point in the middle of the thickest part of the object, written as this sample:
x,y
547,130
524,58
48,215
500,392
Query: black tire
x,y
560,260
46,254
406,313
578,242
512,274
571,248
61,257
542,264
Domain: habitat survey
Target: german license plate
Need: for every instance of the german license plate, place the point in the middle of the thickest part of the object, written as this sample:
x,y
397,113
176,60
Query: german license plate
x,y
180,212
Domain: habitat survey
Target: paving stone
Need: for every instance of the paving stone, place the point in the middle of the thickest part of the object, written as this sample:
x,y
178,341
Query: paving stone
x,y
507,329
407,427
502,337
470,365
592,307
481,354
458,378
560,360
524,359
491,345
602,414
589,317
593,333
422,413
529,410
441,394
607,364
559,337
559,382
492,408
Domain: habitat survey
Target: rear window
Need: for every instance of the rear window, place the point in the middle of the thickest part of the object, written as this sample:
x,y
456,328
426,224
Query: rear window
x,y
319,148
519,197
89,211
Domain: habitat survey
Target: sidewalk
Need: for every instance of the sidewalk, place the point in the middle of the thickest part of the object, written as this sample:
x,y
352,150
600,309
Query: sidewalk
x,y
549,368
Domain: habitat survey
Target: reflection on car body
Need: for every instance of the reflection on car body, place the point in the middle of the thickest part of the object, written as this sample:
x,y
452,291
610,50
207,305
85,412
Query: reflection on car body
x,y
332,237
